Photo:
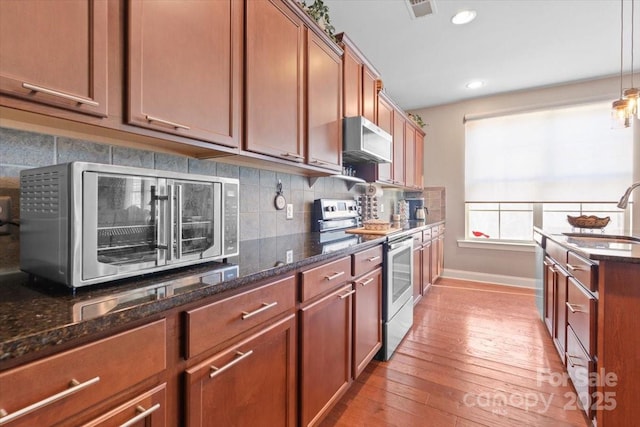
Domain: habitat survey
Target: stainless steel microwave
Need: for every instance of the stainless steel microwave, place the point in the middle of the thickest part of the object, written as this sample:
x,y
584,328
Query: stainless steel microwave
x,y
86,223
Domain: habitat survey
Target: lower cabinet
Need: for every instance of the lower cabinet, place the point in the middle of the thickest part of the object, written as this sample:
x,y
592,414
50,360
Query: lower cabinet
x,y
146,410
251,383
325,353
367,319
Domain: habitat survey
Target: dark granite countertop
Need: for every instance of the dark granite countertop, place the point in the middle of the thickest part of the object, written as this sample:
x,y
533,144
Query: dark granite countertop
x,y
598,246
36,315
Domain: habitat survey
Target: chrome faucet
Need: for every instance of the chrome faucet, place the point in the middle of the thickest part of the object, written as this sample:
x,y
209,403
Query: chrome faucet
x,y
624,201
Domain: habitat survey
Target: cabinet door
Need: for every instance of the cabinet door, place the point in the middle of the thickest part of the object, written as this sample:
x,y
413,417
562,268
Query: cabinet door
x,y
185,68
409,155
419,161
325,353
426,267
385,121
147,410
55,53
398,149
367,320
352,80
324,109
249,384
369,93
274,80
560,338
550,295
417,274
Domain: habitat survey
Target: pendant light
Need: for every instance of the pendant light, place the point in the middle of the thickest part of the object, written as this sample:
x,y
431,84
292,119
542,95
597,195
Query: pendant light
x,y
620,107
632,94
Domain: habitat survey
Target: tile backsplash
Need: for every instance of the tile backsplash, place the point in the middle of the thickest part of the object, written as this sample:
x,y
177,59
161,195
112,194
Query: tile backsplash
x,y
258,216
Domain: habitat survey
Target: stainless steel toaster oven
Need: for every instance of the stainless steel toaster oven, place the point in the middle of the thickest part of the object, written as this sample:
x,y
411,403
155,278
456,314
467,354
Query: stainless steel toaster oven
x,y
86,223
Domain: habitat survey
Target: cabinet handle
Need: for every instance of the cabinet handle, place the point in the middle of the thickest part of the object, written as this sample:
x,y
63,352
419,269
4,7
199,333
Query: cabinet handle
x,y
296,157
166,122
351,292
240,356
74,387
572,267
334,275
570,360
573,308
373,258
366,282
63,95
265,306
142,414
319,162
547,263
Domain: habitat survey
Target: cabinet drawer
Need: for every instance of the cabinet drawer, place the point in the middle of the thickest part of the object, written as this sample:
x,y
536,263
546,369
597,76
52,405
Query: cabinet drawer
x,y
365,261
557,252
215,323
417,240
579,365
586,272
426,235
325,277
148,409
581,315
82,377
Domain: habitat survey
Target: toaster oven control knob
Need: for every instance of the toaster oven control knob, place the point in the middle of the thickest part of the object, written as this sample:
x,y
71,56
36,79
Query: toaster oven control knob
x,y
331,208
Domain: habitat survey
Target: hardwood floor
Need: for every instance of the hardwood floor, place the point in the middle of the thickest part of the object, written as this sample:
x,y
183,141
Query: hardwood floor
x,y
478,355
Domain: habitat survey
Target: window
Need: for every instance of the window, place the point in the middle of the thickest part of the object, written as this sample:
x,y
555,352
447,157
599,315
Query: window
x,y
538,167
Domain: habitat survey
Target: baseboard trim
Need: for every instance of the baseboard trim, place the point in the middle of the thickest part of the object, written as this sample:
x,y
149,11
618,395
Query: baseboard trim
x,y
496,279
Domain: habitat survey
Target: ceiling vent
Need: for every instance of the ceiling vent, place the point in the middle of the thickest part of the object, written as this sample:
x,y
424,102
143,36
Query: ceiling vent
x,y
420,8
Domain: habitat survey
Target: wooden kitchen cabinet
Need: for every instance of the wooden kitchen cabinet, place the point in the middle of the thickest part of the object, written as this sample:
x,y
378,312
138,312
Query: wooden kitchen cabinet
x,y
251,383
385,112
427,275
185,68
88,379
550,285
274,84
55,53
418,253
410,158
146,410
419,160
324,104
367,307
325,353
398,164
370,85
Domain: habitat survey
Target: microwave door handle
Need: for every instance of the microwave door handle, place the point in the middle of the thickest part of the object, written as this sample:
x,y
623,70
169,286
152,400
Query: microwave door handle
x,y
169,225
178,219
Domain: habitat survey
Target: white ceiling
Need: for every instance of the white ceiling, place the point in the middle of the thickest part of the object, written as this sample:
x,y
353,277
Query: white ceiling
x,y
511,45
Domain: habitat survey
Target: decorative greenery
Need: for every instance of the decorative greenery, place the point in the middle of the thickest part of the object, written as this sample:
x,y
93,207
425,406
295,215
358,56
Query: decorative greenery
x,y
417,119
320,13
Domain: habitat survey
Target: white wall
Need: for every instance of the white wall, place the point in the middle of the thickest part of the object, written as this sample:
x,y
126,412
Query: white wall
x,y
444,166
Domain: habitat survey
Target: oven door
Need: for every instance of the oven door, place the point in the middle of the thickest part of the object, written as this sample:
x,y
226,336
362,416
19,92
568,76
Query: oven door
x,y
399,275
122,226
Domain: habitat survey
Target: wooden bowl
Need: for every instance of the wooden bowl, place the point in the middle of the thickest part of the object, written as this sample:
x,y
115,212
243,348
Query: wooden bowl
x,y
376,225
588,221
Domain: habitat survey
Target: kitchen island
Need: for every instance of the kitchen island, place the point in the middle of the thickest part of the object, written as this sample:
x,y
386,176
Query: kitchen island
x,y
591,289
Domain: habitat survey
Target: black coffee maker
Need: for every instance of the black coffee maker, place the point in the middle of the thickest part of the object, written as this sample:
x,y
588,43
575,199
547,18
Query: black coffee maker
x,y
417,209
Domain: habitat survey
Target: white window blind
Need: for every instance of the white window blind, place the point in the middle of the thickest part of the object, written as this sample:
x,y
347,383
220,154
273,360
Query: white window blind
x,y
562,154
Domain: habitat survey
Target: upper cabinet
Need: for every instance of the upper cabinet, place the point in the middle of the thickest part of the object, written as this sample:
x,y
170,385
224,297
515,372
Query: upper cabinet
x,y
324,109
399,126
185,68
370,86
385,121
409,155
419,160
275,38
54,53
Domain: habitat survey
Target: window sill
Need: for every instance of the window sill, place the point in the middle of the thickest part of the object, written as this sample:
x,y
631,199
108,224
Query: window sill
x,y
498,246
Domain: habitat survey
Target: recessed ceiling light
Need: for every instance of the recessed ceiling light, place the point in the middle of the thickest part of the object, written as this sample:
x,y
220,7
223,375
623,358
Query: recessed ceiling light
x,y
476,84
463,17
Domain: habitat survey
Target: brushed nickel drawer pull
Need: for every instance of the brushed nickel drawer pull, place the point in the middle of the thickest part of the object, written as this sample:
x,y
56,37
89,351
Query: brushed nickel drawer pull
x,y
334,275
63,95
265,306
572,267
373,258
351,292
570,360
166,122
142,414
319,162
240,356
366,282
573,308
74,387
296,157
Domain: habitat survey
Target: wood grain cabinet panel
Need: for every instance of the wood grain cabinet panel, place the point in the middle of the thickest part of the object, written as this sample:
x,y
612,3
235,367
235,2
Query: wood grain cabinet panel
x,y
274,60
409,155
86,376
325,277
324,105
367,319
385,122
146,410
398,149
352,80
185,68
325,353
55,53
419,160
251,383
369,93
